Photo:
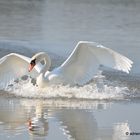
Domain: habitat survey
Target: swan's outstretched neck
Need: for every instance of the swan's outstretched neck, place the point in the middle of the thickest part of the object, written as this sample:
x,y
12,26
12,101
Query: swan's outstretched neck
x,y
44,59
47,63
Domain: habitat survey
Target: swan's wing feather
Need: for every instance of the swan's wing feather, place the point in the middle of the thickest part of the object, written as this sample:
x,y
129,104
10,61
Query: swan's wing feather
x,y
111,59
84,61
13,66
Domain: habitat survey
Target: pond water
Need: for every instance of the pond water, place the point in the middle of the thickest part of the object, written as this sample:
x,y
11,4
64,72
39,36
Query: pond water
x,y
105,109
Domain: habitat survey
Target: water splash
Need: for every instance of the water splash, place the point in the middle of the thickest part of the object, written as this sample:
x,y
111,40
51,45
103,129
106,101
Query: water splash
x,y
92,91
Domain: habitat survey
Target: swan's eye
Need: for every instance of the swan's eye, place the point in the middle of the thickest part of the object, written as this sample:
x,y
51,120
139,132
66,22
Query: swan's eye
x,y
33,62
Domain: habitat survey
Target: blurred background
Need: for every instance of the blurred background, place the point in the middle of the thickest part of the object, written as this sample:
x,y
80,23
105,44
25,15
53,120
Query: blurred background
x,y
57,26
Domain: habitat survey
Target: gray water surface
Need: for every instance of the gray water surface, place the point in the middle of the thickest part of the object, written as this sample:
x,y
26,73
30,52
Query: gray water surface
x,y
29,26
37,119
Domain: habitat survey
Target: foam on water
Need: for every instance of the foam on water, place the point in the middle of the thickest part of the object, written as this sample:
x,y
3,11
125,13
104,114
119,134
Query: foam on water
x,y
93,91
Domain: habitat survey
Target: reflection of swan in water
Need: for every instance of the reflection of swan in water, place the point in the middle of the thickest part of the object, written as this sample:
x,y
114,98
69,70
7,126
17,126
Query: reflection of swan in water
x,y
38,125
76,123
79,68
81,125
14,115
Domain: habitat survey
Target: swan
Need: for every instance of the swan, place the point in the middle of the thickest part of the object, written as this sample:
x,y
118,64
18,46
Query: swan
x,y
78,69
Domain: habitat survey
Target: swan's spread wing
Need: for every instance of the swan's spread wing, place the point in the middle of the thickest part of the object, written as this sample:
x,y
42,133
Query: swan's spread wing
x,y
84,61
13,66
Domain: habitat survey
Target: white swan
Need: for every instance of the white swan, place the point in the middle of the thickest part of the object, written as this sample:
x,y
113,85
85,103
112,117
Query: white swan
x,y
79,68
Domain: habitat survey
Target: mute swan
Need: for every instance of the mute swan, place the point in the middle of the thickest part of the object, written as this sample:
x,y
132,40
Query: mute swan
x,y
79,68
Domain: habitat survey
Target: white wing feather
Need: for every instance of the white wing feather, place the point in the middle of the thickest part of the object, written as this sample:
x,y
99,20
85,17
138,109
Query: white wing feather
x,y
13,66
84,61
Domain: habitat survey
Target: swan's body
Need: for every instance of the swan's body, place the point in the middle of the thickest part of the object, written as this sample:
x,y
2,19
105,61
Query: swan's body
x,y
79,68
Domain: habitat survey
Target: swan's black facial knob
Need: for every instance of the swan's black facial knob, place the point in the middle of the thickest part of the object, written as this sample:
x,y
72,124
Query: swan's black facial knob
x,y
32,64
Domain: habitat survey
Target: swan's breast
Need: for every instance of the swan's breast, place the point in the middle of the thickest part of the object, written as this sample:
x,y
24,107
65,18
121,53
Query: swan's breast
x,y
41,81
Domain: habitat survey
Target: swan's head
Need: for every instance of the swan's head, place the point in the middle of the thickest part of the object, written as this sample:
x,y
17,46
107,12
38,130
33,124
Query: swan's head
x,y
32,64
38,58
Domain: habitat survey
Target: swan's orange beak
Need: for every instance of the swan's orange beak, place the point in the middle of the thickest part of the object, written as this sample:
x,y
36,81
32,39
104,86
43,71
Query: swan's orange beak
x,y
31,66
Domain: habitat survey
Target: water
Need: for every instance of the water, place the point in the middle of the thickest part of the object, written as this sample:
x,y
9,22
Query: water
x,y
67,119
105,109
